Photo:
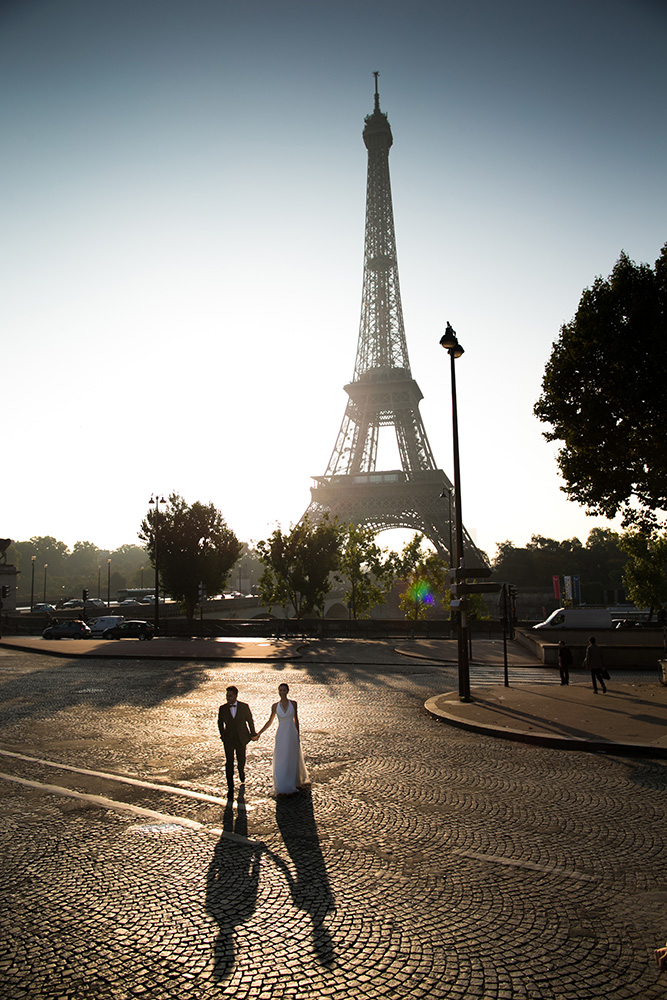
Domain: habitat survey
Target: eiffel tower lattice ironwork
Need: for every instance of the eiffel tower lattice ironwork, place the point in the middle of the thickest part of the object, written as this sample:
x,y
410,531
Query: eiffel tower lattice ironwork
x,y
383,393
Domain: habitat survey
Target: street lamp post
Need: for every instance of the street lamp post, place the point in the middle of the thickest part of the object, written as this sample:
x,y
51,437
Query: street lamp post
x,y
108,583
32,583
451,345
157,500
45,569
447,492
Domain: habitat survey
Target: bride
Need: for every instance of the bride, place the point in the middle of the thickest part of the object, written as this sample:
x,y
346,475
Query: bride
x,y
289,768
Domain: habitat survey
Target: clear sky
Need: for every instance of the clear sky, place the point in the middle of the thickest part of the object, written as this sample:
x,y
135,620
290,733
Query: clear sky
x,y
182,205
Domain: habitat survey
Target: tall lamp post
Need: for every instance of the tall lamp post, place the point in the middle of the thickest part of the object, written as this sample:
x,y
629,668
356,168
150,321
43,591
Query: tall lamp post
x,y
157,500
32,583
45,569
108,583
447,492
451,345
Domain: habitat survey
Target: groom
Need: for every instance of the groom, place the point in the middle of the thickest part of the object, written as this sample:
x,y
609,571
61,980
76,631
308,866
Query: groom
x,y
236,730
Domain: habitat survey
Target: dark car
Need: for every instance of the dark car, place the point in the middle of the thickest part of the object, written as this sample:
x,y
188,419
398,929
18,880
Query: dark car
x,y
67,630
129,630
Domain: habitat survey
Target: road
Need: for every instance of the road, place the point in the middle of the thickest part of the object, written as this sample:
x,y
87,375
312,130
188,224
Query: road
x,y
425,861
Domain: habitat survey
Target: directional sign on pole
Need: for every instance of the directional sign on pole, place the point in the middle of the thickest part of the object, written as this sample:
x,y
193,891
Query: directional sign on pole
x,y
478,588
471,572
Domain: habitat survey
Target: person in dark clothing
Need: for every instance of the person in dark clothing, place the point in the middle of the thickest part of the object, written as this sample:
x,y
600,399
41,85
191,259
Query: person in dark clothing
x,y
593,661
564,662
237,729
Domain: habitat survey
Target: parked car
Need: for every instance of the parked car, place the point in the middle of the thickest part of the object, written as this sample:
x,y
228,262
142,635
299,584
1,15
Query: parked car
x,y
67,630
73,604
98,626
43,609
95,602
130,630
129,602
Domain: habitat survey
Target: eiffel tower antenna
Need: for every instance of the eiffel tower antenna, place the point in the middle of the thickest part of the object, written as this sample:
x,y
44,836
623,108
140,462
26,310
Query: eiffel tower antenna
x,y
383,393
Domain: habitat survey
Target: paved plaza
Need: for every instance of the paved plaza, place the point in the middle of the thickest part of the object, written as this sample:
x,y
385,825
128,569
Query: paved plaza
x,y
424,861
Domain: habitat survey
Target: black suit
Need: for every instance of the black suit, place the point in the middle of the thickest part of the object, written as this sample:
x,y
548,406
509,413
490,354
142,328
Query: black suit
x,y
235,734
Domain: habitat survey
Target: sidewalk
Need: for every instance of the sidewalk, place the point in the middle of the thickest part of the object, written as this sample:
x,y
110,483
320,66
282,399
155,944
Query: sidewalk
x,y
630,718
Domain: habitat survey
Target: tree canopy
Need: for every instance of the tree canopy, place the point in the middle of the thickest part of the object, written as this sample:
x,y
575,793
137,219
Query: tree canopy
x,y
599,563
69,572
644,574
425,574
603,393
298,564
194,545
368,572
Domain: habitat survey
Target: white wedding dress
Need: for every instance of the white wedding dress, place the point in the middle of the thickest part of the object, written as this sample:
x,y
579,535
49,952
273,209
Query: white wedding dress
x,y
289,767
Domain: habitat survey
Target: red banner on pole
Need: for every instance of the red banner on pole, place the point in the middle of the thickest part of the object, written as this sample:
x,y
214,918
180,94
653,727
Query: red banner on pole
x,y
556,583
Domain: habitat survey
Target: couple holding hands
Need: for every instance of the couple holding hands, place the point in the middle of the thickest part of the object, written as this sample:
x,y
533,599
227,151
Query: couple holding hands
x,y
237,729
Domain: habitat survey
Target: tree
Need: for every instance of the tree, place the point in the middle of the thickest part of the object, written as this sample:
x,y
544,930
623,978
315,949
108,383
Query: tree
x,y
598,564
644,575
425,574
194,545
603,395
298,564
83,561
129,560
368,572
48,552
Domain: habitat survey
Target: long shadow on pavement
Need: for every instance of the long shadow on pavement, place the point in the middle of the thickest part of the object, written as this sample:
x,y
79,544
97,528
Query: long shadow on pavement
x,y
49,689
232,885
310,889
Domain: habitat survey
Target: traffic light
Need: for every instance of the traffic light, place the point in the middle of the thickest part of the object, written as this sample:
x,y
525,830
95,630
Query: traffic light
x,y
5,592
85,593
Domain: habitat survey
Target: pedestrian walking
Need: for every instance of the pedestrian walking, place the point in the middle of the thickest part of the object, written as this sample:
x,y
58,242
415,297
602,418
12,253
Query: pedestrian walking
x,y
593,661
564,662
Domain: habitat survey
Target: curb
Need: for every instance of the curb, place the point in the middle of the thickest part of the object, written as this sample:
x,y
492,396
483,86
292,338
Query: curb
x,y
544,739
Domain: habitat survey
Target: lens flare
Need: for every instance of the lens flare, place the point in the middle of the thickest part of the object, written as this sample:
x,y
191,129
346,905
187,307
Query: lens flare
x,y
420,591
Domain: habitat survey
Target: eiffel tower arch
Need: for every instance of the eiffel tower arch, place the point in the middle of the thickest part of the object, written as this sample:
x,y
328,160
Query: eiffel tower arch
x,y
383,393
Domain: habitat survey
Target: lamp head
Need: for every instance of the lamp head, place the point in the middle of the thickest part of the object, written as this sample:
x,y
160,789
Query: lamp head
x,y
450,343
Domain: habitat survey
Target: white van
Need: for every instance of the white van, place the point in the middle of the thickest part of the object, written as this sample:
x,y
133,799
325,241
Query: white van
x,y
98,625
577,618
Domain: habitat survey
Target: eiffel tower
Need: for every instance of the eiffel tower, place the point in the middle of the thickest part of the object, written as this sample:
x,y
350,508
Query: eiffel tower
x,y
383,393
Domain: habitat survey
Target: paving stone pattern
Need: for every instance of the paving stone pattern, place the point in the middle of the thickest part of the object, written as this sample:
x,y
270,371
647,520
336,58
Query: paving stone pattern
x,y
423,862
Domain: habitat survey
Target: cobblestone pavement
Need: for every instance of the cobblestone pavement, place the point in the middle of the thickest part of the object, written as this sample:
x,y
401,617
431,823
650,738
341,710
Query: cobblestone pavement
x,y
425,861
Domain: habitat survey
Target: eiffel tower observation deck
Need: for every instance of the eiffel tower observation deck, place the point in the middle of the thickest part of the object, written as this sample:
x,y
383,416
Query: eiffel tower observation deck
x,y
383,394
